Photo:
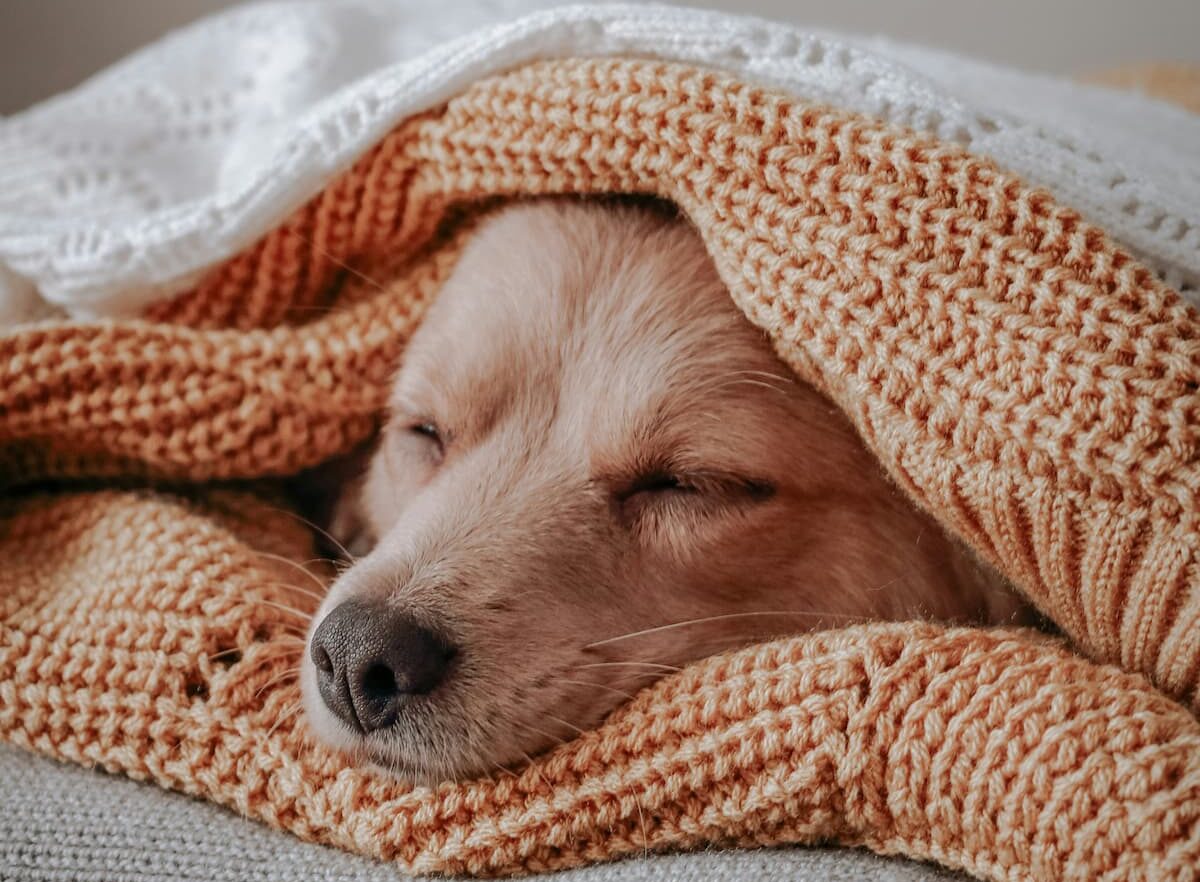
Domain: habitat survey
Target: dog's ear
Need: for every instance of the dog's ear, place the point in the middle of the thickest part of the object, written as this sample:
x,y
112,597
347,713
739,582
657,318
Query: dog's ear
x,y
329,495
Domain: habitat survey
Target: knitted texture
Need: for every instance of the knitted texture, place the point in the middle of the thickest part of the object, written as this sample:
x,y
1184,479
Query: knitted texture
x,y
119,193
986,750
59,826
1023,379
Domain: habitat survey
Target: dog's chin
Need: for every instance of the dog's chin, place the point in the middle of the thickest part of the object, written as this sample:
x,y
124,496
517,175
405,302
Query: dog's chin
x,y
371,751
444,741
404,770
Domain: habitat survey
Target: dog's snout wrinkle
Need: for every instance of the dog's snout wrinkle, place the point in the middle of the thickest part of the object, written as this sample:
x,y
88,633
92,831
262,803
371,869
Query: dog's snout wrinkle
x,y
371,659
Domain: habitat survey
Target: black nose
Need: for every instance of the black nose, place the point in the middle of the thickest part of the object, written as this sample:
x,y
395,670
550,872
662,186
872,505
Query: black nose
x,y
371,659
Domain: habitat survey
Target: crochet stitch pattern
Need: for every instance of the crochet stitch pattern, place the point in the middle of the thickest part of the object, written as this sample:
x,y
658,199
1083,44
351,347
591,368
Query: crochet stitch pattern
x,y
1019,376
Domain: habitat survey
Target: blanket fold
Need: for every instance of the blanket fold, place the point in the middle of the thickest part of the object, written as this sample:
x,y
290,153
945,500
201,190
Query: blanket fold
x,y
149,635
1021,377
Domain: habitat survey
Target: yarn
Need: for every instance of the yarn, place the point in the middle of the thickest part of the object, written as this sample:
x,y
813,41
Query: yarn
x,y
1020,376
120,192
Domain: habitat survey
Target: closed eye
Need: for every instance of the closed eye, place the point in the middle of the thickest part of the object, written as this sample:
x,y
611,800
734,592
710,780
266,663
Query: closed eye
x,y
427,430
656,482
705,491
428,433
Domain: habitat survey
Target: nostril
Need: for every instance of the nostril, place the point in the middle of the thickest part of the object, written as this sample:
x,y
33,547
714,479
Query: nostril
x,y
372,661
379,682
322,660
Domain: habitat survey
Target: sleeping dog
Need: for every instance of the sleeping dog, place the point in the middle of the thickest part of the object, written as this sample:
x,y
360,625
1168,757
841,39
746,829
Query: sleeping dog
x,y
595,470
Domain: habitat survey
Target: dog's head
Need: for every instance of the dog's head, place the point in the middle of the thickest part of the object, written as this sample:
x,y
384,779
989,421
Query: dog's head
x,y
594,470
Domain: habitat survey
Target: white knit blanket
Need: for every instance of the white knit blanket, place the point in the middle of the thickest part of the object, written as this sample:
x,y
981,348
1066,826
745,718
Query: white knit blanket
x,y
119,193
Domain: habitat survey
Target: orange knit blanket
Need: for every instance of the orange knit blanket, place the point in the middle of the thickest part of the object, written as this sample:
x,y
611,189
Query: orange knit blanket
x,y
1019,375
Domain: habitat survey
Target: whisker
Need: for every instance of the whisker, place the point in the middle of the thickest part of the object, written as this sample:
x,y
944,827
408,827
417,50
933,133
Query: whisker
x,y
271,627
337,261
288,644
334,562
287,715
307,616
321,530
887,584
288,586
563,722
282,651
745,382
504,770
291,563
278,678
727,616
628,695
672,669
642,822
288,630
285,643
556,739
537,771
728,379
271,653
767,375
269,658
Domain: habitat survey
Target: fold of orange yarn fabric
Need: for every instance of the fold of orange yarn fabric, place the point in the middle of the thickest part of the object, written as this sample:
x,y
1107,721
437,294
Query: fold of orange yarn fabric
x,y
1019,375
1177,83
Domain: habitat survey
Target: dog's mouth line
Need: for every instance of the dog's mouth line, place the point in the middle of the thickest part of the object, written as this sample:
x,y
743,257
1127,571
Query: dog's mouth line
x,y
545,711
401,767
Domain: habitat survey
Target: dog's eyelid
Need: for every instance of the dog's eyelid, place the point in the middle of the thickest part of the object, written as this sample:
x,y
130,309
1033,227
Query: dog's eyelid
x,y
698,482
412,424
427,428
651,482
430,432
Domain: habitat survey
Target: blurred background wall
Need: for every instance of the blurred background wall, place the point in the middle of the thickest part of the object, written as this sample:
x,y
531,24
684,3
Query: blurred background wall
x,y
47,46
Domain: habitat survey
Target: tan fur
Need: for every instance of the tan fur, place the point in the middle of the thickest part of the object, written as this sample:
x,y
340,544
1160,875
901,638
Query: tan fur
x,y
579,352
